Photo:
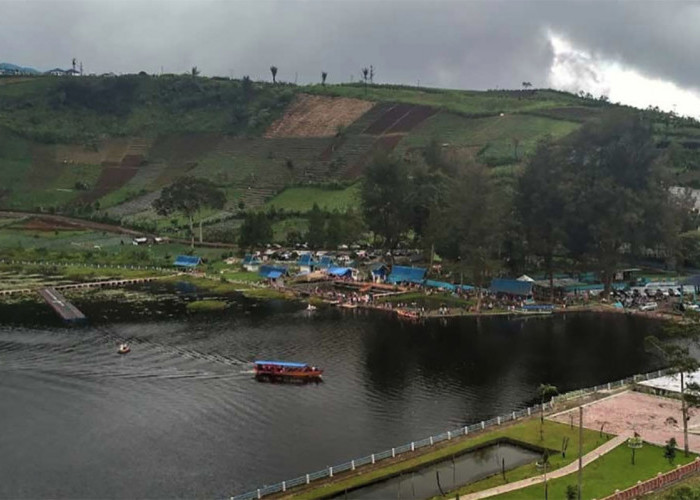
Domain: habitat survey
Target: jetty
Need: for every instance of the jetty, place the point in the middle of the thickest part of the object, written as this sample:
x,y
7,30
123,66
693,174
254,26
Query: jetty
x,y
67,311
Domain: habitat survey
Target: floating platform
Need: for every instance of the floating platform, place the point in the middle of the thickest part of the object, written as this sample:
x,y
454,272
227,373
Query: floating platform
x,y
67,311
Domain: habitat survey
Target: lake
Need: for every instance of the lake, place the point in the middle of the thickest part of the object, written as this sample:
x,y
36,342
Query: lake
x,y
182,416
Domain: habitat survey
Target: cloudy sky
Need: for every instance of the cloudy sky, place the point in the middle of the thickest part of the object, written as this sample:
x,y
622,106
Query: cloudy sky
x,y
636,52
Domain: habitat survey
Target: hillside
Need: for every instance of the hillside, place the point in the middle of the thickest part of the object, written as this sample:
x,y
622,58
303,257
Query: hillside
x,y
104,147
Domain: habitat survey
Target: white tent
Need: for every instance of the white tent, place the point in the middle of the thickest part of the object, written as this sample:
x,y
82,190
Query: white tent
x,y
525,277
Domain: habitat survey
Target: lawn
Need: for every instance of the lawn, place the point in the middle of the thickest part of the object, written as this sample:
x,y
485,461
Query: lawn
x,y
302,199
527,431
612,471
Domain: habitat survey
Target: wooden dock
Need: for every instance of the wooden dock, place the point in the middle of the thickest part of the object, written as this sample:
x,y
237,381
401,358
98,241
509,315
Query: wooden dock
x,y
66,310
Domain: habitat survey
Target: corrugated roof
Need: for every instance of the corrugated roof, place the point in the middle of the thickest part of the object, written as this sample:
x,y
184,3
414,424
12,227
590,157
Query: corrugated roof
x,y
511,286
187,260
405,274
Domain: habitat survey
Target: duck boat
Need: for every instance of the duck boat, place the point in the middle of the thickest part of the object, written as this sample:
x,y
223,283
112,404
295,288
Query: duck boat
x,y
286,371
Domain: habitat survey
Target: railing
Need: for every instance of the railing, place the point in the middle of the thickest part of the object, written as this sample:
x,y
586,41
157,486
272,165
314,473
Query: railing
x,y
660,481
329,472
79,264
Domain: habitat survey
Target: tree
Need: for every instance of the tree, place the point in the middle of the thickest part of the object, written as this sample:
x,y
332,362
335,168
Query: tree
x,y
681,362
256,230
544,391
670,450
365,77
194,72
316,236
527,85
188,196
539,200
571,492
324,75
616,190
273,70
385,191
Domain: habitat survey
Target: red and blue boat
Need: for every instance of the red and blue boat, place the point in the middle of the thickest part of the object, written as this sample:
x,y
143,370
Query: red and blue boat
x,y
286,371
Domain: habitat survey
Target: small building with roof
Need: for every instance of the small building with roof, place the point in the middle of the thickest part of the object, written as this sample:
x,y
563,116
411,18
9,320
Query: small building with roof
x,y
378,272
342,272
251,263
511,287
275,274
325,262
306,263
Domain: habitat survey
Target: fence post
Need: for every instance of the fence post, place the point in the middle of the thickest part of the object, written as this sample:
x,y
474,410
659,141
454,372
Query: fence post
x,y
330,471
307,479
498,420
372,457
431,440
284,485
352,465
393,452
483,425
259,495
609,386
513,415
466,430
413,446
529,411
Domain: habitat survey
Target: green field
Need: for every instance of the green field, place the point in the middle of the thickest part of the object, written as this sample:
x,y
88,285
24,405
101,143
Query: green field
x,y
612,471
302,199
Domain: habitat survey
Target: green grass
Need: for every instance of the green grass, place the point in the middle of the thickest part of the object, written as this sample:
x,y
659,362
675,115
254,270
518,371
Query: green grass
x,y
612,471
281,228
302,199
434,300
528,431
464,101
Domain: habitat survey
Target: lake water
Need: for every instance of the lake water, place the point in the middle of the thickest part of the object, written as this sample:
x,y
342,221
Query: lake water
x,y
182,416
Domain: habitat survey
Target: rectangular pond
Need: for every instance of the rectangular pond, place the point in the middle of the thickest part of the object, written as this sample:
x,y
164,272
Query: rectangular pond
x,y
451,473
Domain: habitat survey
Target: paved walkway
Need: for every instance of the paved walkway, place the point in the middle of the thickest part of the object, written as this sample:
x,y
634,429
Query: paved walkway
x,y
563,471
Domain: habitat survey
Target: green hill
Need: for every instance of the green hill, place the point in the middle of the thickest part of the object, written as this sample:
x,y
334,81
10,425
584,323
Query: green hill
x,y
103,147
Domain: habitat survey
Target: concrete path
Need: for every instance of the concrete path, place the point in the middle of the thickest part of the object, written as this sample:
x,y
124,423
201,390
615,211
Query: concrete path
x,y
563,471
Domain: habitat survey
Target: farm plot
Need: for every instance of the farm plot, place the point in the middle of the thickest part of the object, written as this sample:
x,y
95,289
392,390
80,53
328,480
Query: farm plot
x,y
302,199
318,116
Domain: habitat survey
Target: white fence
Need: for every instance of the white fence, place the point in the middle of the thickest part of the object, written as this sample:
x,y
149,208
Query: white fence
x,y
445,436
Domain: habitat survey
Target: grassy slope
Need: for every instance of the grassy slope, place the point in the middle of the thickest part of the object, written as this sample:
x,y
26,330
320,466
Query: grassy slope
x,y
610,472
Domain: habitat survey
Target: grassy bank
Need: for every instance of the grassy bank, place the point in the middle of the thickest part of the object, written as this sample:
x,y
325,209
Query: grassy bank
x,y
527,431
612,471
206,305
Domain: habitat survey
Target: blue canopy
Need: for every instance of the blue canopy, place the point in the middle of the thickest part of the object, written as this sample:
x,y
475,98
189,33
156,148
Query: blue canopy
x,y
379,269
305,260
187,260
282,363
401,274
441,284
340,271
272,272
510,286
250,259
326,261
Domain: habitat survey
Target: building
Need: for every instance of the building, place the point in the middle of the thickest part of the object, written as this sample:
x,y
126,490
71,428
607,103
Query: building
x,y
378,272
275,274
403,274
306,263
187,261
251,263
511,287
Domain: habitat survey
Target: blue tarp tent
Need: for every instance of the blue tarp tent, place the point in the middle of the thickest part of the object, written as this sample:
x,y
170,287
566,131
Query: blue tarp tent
x,y
187,260
403,274
305,260
250,260
272,272
325,262
379,270
511,287
340,272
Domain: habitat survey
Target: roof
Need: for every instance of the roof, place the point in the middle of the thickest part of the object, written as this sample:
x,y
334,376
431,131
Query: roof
x,y
339,271
692,280
510,286
282,363
378,267
187,260
250,259
525,277
407,274
326,261
272,272
305,260
441,284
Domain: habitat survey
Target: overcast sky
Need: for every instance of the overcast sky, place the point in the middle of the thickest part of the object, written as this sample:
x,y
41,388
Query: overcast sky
x,y
636,52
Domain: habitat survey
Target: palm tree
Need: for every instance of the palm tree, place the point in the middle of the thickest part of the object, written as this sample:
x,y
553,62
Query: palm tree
x,y
324,75
273,70
195,72
544,390
365,75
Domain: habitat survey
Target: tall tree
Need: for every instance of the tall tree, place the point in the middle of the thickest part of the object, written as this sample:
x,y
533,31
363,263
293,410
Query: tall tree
x,y
255,230
273,70
615,183
540,197
324,75
189,196
316,235
384,193
365,77
194,72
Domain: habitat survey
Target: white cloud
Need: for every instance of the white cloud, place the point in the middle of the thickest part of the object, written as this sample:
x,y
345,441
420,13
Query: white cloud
x,y
574,69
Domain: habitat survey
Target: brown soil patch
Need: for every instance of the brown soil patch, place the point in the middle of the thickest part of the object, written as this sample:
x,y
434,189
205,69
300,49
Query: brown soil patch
x,y
318,116
655,418
41,224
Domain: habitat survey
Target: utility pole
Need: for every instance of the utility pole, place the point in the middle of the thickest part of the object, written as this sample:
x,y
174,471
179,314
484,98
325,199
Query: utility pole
x,y
580,450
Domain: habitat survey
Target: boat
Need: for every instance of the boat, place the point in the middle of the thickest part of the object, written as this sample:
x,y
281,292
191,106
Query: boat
x,y
286,371
310,307
124,349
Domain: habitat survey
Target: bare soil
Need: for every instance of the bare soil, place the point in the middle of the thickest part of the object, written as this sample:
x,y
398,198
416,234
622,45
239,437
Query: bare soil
x,y
318,116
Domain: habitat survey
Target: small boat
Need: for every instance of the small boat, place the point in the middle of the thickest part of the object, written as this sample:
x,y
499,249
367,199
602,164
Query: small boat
x,y
124,349
286,371
310,307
